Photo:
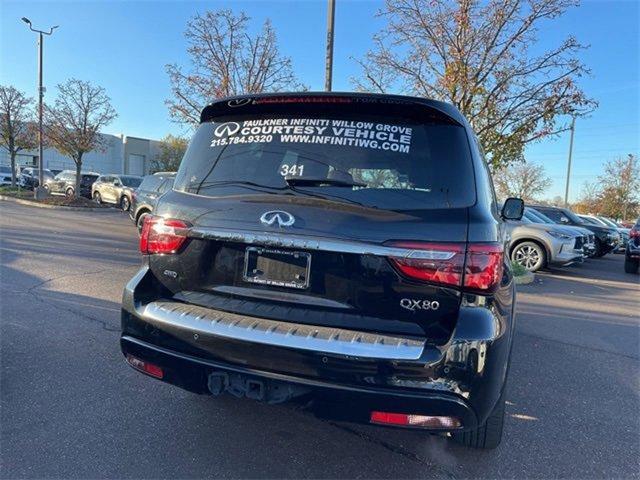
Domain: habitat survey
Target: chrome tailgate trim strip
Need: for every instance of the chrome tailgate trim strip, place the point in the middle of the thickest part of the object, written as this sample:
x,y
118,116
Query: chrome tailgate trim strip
x,y
205,321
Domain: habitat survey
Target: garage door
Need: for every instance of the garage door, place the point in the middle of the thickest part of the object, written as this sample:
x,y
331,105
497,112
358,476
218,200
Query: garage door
x,y
136,164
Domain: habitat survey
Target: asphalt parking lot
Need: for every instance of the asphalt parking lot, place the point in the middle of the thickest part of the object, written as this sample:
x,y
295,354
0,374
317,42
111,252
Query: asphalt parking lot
x,y
70,407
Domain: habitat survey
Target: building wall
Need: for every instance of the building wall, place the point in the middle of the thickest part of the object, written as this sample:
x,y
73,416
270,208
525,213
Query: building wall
x,y
116,158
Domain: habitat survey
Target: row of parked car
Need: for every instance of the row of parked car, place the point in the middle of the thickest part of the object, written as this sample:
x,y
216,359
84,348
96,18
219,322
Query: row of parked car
x,y
547,236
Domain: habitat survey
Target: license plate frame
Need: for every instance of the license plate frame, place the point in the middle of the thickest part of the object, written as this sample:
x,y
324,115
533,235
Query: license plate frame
x,y
253,274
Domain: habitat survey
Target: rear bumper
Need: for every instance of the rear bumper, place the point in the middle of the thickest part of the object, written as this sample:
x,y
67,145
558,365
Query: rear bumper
x,y
353,403
463,378
632,251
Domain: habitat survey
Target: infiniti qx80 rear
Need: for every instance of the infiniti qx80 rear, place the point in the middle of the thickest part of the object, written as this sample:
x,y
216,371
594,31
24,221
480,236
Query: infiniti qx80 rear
x,y
346,248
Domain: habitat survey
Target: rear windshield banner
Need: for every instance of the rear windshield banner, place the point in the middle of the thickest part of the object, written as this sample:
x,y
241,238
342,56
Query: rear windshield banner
x,y
376,136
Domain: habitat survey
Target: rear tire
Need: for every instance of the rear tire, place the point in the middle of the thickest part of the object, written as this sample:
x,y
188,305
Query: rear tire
x,y
140,221
97,197
487,436
69,193
125,204
631,265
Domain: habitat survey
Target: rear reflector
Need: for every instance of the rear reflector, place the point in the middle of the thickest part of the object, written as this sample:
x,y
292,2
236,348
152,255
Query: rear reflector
x,y
477,267
145,367
162,235
426,421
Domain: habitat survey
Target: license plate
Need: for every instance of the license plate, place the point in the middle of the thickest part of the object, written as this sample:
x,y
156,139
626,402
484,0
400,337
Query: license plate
x,y
275,267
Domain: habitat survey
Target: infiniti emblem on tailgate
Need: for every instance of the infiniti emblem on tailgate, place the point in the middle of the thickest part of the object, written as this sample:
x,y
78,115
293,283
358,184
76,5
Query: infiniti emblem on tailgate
x,y
283,219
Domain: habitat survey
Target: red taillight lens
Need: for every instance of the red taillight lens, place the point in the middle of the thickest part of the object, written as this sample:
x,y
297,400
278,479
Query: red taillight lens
x,y
162,235
483,270
145,367
444,263
427,421
634,232
431,262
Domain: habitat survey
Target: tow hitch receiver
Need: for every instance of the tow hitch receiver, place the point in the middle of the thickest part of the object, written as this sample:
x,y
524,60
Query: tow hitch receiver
x,y
262,390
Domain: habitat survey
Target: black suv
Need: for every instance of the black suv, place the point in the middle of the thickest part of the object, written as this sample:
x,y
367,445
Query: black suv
x,y
64,183
145,197
632,252
606,239
342,247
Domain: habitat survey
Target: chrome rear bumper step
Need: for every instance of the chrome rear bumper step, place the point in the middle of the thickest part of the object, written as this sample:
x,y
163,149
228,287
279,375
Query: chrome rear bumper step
x,y
205,321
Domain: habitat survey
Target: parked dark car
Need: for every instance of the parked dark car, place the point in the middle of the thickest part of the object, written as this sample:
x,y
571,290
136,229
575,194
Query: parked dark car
x,y
144,198
5,174
606,240
65,183
314,245
632,253
30,177
115,189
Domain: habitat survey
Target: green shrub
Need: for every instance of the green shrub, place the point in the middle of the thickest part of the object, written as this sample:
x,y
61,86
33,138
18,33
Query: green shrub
x,y
518,270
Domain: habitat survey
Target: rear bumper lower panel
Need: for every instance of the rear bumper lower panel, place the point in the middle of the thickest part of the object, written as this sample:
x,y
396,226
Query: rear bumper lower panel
x,y
466,375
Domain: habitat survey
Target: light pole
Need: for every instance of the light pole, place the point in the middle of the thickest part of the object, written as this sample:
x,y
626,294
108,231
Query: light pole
x,y
329,59
566,188
40,190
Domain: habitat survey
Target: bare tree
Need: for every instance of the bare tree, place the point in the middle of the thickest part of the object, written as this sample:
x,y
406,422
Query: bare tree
x,y
16,128
73,123
226,60
172,150
522,180
483,58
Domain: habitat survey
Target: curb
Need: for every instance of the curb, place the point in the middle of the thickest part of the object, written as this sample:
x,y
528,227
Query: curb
x,y
30,203
525,279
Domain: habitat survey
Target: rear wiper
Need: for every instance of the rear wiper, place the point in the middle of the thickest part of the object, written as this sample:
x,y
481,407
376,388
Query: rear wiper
x,y
319,182
219,183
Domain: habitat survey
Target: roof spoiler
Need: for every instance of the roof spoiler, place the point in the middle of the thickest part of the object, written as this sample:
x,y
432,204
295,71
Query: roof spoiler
x,y
317,101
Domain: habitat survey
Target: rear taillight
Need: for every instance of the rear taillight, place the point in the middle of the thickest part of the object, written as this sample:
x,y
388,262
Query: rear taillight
x,y
430,262
634,232
162,235
479,266
483,270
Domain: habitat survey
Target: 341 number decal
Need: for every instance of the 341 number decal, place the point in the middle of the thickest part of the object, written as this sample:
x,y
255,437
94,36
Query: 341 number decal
x,y
291,170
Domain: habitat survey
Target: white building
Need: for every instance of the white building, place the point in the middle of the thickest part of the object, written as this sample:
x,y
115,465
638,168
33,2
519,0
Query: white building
x,y
123,155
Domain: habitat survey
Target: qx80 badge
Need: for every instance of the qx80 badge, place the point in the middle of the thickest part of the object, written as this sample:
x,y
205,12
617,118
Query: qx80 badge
x,y
413,304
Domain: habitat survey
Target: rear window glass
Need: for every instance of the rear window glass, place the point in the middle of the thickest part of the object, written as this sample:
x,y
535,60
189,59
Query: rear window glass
x,y
375,161
130,181
151,182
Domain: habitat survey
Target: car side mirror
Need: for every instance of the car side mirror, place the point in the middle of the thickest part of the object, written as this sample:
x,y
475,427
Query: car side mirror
x,y
564,219
513,209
